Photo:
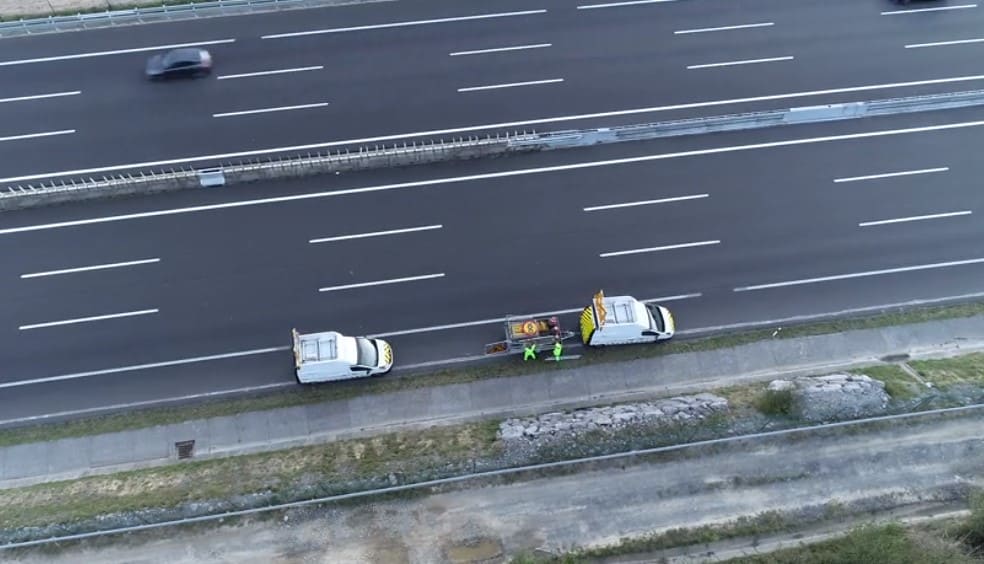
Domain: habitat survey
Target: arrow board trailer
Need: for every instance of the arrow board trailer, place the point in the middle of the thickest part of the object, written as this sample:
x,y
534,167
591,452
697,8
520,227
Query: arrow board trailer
x,y
521,332
330,356
624,320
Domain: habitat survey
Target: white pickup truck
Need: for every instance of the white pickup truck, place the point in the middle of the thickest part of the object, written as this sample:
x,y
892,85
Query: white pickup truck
x,y
331,356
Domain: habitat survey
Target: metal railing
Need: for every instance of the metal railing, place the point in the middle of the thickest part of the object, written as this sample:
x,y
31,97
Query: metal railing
x,y
627,457
419,152
408,153
151,14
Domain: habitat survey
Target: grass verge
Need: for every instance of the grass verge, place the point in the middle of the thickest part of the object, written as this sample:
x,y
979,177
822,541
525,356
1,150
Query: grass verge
x,y
947,372
898,384
883,543
304,472
869,543
506,368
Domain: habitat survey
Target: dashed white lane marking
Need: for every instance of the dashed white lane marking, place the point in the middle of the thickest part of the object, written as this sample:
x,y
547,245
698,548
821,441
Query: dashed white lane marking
x,y
269,73
270,110
88,319
404,24
744,62
914,218
646,202
501,49
865,274
90,268
375,234
892,174
511,85
724,28
658,249
381,282
115,52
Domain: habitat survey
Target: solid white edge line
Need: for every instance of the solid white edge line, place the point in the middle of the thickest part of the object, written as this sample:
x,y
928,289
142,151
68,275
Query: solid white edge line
x,y
87,319
864,274
646,202
148,403
944,43
657,249
402,24
40,96
939,9
500,49
37,135
619,4
495,320
381,282
455,130
90,268
268,73
270,110
491,175
115,52
268,350
136,367
375,234
723,28
744,62
914,218
880,308
511,85
891,174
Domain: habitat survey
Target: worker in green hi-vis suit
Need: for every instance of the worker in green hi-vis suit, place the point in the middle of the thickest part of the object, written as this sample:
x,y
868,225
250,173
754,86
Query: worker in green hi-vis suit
x,y
529,352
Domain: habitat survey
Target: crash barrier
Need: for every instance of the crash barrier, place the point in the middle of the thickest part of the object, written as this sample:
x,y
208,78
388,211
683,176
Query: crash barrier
x,y
292,166
150,14
754,120
464,148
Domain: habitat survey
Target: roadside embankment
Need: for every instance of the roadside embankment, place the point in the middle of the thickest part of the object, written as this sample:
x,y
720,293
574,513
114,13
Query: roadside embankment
x,y
702,427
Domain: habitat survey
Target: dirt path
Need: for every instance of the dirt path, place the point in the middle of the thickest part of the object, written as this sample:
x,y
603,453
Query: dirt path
x,y
591,508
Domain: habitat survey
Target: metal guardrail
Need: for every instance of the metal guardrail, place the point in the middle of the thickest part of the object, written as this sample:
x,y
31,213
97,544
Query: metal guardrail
x,y
506,472
410,153
378,156
150,14
754,120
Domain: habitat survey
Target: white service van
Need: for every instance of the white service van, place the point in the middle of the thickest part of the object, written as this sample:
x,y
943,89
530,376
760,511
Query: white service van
x,y
624,320
330,356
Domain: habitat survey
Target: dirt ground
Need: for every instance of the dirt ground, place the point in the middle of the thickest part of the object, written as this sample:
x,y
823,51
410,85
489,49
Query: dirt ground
x,y
492,523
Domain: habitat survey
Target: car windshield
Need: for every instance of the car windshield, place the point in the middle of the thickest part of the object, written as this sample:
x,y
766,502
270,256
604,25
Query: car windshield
x,y
367,352
655,318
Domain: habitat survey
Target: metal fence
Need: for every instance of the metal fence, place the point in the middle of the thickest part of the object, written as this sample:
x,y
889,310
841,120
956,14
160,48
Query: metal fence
x,y
408,153
754,120
150,14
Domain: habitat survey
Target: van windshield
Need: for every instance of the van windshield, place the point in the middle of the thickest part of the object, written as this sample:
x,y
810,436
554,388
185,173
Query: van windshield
x,y
367,352
655,318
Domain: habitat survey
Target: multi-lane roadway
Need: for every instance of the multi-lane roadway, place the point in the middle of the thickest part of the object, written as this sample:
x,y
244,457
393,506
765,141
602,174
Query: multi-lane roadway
x,y
76,103
137,300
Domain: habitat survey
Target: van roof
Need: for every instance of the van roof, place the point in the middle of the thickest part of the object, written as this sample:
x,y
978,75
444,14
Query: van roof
x,y
318,347
623,309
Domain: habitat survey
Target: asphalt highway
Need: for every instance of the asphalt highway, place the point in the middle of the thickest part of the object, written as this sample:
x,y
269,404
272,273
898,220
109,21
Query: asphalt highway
x,y
181,295
77,103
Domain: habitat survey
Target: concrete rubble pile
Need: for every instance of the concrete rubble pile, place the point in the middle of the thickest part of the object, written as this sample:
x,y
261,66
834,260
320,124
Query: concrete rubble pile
x,y
681,409
836,396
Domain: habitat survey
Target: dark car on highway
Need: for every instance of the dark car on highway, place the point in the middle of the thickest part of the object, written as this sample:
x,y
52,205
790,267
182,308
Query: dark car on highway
x,y
179,63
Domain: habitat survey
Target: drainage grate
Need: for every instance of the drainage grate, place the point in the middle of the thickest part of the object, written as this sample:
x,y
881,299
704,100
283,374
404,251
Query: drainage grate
x,y
186,449
895,357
